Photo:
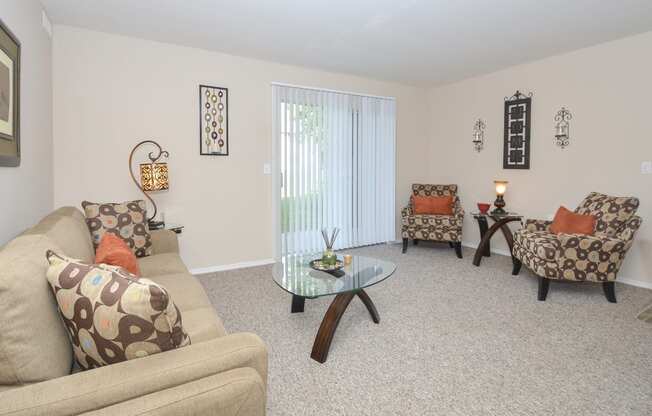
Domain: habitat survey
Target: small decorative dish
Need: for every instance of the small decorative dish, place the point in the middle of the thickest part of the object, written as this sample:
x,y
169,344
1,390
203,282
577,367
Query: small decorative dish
x,y
318,264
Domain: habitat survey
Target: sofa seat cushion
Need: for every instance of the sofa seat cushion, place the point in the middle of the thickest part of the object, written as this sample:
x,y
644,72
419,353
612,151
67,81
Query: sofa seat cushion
x,y
185,289
203,324
34,344
543,244
199,317
160,264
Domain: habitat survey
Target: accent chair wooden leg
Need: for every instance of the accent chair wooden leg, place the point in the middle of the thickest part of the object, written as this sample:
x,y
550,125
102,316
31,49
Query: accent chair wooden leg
x,y
450,243
517,266
544,285
609,291
405,243
458,249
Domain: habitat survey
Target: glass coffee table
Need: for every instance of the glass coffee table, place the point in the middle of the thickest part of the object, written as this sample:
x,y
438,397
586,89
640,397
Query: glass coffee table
x,y
294,275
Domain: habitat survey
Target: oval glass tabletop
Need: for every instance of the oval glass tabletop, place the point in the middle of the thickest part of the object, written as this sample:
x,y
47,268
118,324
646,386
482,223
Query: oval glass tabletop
x,y
294,274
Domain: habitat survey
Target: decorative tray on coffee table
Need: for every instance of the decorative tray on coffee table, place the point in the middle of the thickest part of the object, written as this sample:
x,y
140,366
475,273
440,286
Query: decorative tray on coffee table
x,y
334,269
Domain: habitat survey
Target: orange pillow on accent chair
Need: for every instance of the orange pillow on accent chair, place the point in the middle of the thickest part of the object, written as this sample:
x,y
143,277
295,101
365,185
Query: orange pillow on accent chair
x,y
115,252
568,222
433,205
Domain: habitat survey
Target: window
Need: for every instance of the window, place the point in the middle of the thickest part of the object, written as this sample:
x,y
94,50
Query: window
x,y
335,156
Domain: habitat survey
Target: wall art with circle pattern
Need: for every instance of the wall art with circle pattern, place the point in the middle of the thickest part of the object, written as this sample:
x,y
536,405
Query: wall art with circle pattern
x,y
213,121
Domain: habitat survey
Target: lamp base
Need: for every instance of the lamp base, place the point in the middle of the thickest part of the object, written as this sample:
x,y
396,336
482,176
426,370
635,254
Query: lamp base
x,y
155,225
499,203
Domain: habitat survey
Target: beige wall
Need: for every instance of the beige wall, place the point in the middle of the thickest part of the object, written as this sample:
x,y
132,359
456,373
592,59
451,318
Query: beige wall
x,y
27,191
608,90
112,91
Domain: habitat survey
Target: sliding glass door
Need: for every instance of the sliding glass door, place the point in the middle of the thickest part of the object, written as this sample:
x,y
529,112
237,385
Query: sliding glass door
x,y
335,161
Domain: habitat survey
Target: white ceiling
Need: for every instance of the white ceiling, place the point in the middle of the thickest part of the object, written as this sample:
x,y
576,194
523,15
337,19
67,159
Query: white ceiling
x,y
420,42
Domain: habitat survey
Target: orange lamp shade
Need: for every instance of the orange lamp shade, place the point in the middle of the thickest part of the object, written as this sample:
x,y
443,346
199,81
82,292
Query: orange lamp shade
x,y
154,176
501,187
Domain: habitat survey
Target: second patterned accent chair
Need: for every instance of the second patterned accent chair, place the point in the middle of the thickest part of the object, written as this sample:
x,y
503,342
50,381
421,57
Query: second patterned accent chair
x,y
442,228
576,257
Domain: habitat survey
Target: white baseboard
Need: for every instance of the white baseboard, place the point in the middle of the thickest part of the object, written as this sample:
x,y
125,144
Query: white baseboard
x,y
493,250
625,280
234,266
254,263
634,282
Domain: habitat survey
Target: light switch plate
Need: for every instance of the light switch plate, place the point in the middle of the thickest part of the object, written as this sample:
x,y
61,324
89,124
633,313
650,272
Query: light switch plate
x,y
267,168
646,168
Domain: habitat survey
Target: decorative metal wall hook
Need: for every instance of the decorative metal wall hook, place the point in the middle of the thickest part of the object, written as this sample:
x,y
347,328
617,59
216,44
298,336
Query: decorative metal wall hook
x,y
562,128
478,135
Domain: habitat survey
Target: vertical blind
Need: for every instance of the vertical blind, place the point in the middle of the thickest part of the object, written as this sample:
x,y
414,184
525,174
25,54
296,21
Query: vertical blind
x,y
336,156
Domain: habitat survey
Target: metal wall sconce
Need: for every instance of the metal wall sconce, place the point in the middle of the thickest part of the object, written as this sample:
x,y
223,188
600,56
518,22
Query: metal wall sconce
x,y
562,128
478,135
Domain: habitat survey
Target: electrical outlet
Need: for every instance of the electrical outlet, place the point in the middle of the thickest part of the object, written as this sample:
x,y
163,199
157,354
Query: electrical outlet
x,y
267,169
646,168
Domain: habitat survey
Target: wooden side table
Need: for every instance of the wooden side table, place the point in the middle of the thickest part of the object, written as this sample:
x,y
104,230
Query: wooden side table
x,y
486,232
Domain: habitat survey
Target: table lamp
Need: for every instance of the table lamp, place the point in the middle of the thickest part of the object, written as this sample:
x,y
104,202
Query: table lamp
x,y
501,187
153,176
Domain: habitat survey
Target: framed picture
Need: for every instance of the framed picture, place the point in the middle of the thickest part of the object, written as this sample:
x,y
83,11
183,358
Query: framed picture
x,y
213,121
9,98
516,148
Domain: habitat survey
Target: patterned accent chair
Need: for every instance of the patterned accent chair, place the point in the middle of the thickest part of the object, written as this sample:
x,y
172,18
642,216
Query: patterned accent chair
x,y
442,228
580,258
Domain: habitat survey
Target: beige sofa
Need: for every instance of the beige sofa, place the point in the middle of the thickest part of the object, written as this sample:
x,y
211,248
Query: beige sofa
x,y
219,374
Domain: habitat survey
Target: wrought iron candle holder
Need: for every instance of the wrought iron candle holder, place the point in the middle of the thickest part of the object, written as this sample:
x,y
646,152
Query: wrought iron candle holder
x,y
562,128
478,135
153,176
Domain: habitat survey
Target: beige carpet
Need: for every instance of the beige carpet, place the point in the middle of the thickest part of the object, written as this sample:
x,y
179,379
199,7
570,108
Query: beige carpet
x,y
454,339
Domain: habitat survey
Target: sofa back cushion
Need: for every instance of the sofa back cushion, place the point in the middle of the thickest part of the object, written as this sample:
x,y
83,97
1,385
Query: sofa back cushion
x,y
419,189
611,212
34,345
66,227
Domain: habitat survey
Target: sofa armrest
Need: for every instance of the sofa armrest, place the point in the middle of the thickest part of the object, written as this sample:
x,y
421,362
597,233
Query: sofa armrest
x,y
406,212
590,257
240,391
458,210
537,225
107,386
626,233
164,241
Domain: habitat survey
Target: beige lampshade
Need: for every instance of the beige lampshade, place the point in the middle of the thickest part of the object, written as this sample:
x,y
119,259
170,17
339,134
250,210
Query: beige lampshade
x,y
154,176
501,187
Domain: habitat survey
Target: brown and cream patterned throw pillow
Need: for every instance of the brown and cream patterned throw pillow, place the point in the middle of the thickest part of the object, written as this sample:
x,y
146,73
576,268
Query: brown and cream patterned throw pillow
x,y
112,316
127,220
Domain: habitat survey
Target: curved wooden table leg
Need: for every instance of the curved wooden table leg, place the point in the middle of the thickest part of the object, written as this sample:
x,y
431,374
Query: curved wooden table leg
x,y
329,325
370,305
484,243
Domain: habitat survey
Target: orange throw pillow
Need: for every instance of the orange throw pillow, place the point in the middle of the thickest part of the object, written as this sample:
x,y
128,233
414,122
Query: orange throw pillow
x,y
433,205
568,222
115,252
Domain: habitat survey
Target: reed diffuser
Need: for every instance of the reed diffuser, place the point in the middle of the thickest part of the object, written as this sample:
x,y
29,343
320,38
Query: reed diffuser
x,y
329,258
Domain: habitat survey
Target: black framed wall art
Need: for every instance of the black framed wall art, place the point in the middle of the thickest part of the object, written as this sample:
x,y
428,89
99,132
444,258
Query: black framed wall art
x,y
9,98
518,120
213,121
